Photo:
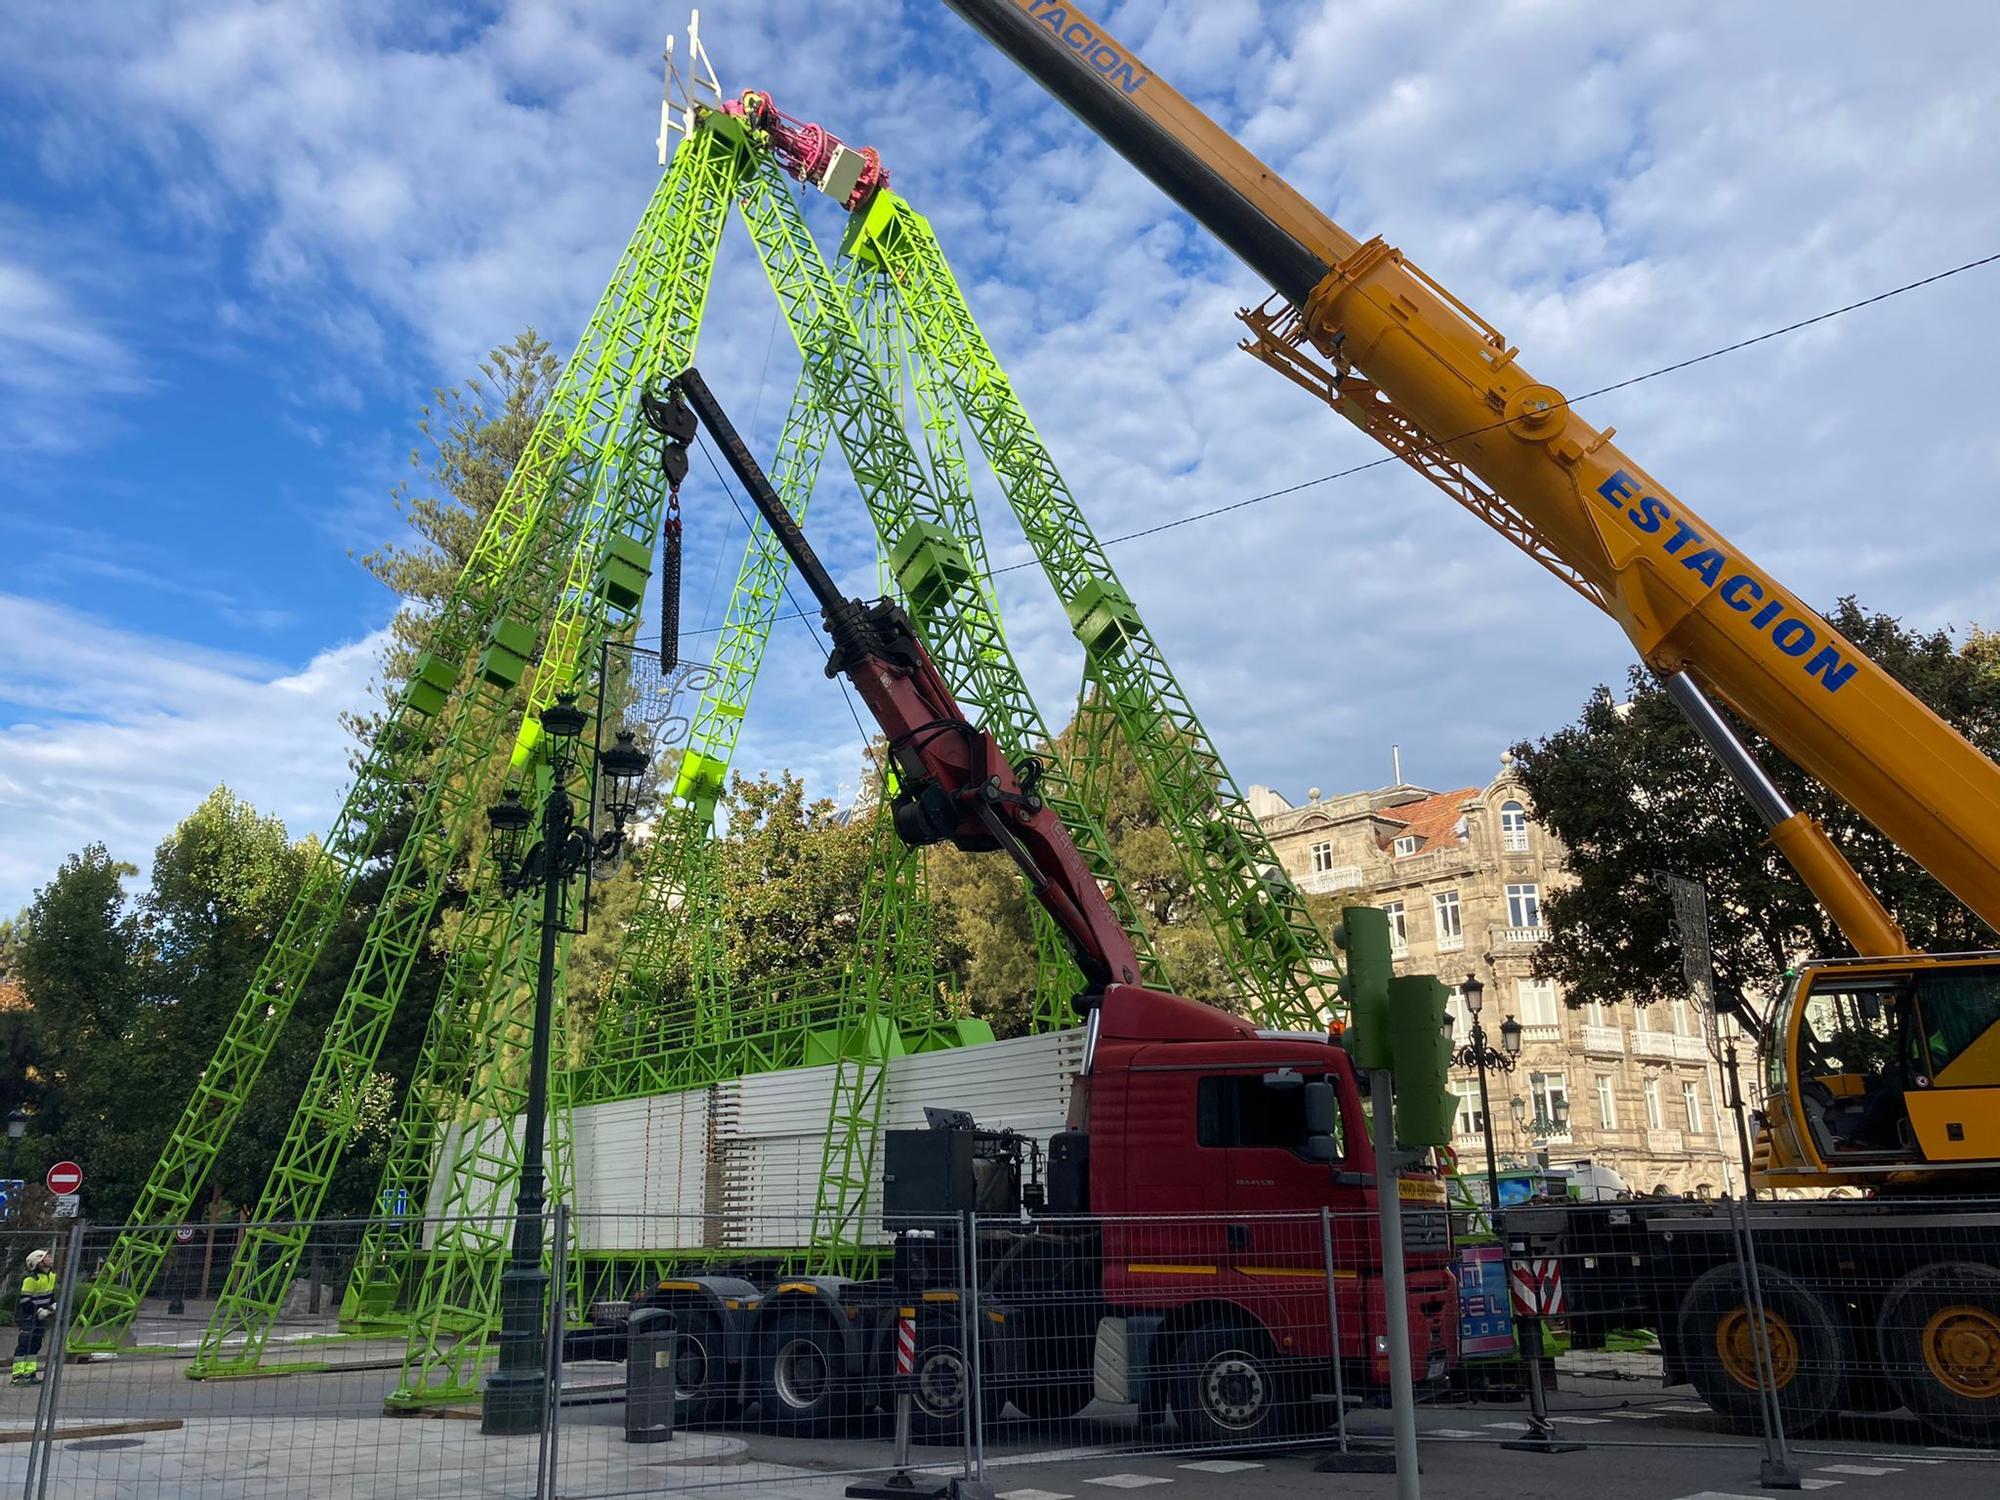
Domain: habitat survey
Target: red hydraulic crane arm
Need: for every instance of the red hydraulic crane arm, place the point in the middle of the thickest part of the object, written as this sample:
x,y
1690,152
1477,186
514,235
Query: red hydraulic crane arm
x,y
953,783
1692,603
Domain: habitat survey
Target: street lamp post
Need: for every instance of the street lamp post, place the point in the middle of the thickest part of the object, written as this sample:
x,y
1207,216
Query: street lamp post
x,y
1551,1116
17,1126
1478,1053
517,1394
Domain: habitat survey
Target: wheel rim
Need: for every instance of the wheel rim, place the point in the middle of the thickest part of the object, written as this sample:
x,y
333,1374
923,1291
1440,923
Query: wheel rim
x,y
1962,1351
1736,1347
940,1383
800,1373
691,1372
1234,1389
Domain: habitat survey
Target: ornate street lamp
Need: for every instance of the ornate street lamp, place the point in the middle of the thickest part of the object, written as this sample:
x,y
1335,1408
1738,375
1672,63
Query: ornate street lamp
x,y
1478,1053
516,1396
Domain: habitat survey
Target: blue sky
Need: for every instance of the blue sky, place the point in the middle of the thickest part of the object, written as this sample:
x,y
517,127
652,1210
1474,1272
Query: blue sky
x,y
239,244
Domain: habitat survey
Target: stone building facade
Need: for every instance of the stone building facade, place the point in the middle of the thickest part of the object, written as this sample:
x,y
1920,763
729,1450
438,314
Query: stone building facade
x,y
1463,875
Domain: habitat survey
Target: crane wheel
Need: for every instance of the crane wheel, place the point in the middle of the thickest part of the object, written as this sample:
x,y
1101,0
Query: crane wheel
x,y
701,1370
1717,1338
1940,1338
939,1382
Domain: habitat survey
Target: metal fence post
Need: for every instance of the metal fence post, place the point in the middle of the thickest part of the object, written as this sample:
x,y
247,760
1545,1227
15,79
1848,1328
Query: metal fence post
x,y
1778,1470
552,1356
975,1423
41,1436
1344,1460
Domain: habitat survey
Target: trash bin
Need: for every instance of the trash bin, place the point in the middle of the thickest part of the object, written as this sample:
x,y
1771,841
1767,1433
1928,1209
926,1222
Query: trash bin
x,y
649,1376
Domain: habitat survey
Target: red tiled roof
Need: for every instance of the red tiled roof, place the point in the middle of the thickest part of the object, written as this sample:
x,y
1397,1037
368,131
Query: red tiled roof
x,y
1433,820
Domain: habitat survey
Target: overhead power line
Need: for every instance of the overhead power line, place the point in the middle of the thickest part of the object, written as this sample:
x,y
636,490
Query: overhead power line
x,y
1603,390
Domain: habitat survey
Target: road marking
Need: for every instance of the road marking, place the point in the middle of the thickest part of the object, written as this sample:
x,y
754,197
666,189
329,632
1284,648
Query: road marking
x,y
1720,1495
1511,1426
1222,1466
1582,1421
1639,1416
1129,1481
1033,1495
1870,1471
1699,1411
1452,1432
1819,1484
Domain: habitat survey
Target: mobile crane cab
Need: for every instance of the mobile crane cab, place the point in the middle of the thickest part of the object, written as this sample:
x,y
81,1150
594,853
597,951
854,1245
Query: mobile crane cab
x,y
1880,1071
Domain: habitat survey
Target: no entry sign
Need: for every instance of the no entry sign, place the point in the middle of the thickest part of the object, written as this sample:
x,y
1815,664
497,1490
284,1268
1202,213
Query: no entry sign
x,y
64,1177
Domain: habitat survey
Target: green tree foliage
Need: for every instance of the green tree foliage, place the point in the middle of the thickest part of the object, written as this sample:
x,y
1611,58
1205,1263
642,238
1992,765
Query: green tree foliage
x,y
791,871
1631,791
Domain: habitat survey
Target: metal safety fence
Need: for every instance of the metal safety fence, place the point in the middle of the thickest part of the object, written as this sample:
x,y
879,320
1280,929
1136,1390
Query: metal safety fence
x,y
714,1353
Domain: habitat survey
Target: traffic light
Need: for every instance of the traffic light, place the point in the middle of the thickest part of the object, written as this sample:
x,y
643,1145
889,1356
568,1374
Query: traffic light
x,y
1425,1106
1363,934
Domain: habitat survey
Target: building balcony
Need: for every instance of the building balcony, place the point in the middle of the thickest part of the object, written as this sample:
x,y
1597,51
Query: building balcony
x,y
1664,1142
1325,882
1691,1049
1451,942
1653,1044
1604,1041
1519,937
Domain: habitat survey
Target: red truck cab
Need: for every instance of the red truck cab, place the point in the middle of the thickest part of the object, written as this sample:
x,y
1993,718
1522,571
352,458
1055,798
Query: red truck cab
x,y
1190,1111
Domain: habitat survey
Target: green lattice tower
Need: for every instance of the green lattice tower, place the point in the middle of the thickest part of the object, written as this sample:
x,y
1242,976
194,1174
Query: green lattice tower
x,y
1057,979
883,970
597,583
1277,957
659,927
457,1300
948,606
529,517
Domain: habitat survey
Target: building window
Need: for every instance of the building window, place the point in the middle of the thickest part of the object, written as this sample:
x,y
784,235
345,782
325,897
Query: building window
x,y
1607,1103
1680,1018
1547,1089
1399,928
1595,1012
1538,1004
1407,844
1450,921
1691,1102
1642,1018
1322,855
1655,1118
1524,905
1513,828
1470,1123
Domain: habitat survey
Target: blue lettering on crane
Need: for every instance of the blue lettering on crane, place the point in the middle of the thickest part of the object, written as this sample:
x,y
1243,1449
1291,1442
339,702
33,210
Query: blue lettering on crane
x,y
1075,33
1649,514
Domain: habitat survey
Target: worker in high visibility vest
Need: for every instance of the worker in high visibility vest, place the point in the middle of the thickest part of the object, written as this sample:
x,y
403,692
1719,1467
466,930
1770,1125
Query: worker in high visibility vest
x,y
32,1312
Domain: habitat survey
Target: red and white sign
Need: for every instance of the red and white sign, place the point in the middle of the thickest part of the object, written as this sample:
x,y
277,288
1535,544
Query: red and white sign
x,y
64,1177
906,1344
185,1234
1537,1286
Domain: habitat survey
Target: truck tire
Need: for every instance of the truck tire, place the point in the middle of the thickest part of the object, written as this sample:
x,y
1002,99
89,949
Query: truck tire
x,y
701,1369
1718,1348
1940,1340
1227,1388
802,1375
939,1382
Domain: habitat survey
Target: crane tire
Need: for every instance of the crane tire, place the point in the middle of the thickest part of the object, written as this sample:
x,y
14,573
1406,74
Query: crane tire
x,y
1809,1353
1939,1333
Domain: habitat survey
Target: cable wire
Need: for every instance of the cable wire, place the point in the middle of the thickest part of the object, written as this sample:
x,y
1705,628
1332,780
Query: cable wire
x,y
1439,443
784,582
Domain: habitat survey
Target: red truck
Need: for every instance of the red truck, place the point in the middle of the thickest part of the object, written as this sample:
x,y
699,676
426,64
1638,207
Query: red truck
x,y
1167,1248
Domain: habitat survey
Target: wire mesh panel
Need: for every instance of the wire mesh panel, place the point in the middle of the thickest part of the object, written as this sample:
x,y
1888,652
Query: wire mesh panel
x,y
309,1410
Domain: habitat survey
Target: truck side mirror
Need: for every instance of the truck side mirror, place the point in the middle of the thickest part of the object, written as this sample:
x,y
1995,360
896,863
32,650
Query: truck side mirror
x,y
1322,1108
1322,1148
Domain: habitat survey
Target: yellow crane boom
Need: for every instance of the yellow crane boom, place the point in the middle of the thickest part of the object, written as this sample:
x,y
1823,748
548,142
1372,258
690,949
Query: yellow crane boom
x,y
1415,366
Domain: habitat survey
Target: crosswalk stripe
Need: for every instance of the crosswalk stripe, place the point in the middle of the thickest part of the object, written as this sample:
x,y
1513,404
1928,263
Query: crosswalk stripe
x,y
1871,1471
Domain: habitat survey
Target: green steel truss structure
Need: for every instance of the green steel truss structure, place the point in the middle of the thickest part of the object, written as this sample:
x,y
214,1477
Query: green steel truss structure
x,y
1281,964
558,569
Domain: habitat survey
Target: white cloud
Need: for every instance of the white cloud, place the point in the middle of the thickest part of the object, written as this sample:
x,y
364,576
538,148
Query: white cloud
x,y
1614,188
114,737
55,359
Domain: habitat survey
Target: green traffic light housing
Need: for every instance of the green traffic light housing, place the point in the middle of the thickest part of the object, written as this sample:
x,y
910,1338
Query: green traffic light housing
x,y
1363,935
